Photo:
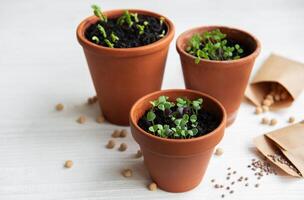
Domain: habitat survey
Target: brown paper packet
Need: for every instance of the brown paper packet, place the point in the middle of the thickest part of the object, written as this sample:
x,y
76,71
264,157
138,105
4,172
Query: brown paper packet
x,y
276,69
288,143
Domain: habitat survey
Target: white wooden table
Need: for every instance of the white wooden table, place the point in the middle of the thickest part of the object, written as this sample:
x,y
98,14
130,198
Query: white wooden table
x,y
42,64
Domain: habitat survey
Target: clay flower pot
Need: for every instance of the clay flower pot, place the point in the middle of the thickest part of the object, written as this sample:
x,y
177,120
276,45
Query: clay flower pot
x,y
122,75
224,80
177,165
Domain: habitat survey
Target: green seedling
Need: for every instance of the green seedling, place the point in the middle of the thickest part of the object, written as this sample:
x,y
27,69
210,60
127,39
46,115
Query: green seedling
x,y
95,39
98,13
162,34
126,18
213,45
102,30
141,28
114,37
110,44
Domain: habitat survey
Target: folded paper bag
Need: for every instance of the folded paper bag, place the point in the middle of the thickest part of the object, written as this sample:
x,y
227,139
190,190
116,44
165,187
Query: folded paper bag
x,y
286,73
284,148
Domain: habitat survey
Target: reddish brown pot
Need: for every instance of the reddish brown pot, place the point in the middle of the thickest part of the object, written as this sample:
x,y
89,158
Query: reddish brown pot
x,y
177,165
121,76
225,80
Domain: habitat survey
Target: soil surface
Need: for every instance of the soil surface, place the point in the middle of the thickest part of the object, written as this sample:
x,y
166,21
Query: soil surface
x,y
207,121
129,36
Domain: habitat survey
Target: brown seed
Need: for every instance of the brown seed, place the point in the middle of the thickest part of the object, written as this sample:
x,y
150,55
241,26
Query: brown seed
x,y
232,183
229,174
111,144
152,187
100,119
68,164
221,186
138,154
227,188
267,102
265,108
116,134
81,119
246,178
231,191
229,168
212,180
219,151
258,110
291,120
256,185
222,195
234,172
123,147
216,186
127,173
273,122
265,120
227,178
247,184
59,107
123,133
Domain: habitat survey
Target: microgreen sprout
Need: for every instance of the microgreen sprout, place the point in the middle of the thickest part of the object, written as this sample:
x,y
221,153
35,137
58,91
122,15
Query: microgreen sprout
x,y
110,44
182,117
146,23
126,18
102,30
114,37
161,20
98,13
95,39
162,34
213,45
135,17
141,28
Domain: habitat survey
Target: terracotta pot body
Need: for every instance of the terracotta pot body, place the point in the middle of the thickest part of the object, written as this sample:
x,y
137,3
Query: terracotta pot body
x,y
177,165
225,80
122,75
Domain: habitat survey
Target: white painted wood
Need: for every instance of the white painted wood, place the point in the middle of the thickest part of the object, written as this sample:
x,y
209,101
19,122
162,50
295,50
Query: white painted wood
x,y
42,64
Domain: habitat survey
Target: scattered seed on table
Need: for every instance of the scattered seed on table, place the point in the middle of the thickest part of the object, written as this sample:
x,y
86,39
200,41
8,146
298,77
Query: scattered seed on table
x,y
227,178
59,107
81,119
231,191
256,185
229,174
123,133
127,173
212,180
227,188
258,110
247,184
222,195
138,154
291,120
68,164
221,186
229,168
246,178
265,120
234,172
232,183
123,147
217,186
152,187
219,151
273,122
111,144
116,134
100,119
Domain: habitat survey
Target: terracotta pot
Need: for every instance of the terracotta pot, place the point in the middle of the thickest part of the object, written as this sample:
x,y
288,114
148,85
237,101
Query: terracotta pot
x,y
225,80
122,75
177,165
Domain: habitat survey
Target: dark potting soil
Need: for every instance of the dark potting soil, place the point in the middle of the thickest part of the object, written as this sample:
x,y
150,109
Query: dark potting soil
x,y
129,36
207,121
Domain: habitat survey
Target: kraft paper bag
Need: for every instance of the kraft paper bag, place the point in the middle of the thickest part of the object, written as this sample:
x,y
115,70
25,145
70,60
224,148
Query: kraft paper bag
x,y
284,148
276,69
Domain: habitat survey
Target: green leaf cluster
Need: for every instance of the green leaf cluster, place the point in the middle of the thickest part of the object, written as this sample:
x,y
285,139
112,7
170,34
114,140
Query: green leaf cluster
x,y
182,125
213,45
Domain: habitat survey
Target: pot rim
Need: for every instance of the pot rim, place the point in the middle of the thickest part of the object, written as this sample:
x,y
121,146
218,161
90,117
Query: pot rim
x,y
222,124
182,51
118,51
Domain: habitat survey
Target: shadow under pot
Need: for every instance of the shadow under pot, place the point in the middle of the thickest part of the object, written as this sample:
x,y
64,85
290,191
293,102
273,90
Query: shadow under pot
x,y
166,156
219,73
122,75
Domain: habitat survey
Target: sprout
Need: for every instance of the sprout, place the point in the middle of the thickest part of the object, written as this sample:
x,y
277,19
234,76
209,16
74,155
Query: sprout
x,y
161,20
102,30
98,13
109,43
146,23
95,39
162,34
114,37
126,17
141,29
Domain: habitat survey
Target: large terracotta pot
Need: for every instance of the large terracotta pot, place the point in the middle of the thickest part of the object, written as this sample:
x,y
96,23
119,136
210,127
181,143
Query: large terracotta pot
x,y
122,75
225,80
177,165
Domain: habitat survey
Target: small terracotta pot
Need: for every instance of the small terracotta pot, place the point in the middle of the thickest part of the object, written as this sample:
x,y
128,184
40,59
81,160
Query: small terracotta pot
x,y
177,165
225,80
122,75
